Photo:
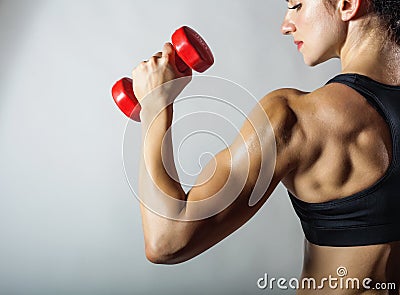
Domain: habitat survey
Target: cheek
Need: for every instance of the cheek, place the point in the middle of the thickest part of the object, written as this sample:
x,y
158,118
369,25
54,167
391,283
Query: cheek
x,y
312,26
319,42
325,33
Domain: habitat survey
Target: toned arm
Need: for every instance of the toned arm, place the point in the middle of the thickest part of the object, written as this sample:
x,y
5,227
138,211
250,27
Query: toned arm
x,y
230,178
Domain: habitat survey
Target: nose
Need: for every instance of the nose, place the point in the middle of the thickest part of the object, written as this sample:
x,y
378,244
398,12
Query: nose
x,y
288,27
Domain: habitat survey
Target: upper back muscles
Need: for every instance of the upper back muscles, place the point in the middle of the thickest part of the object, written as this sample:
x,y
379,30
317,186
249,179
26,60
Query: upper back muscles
x,y
348,145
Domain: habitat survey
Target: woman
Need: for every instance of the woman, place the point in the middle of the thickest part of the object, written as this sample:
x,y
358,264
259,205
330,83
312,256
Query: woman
x,y
336,150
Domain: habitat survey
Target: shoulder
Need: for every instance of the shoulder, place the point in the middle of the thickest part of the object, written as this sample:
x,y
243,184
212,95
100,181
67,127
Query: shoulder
x,y
339,110
332,106
284,110
281,104
303,122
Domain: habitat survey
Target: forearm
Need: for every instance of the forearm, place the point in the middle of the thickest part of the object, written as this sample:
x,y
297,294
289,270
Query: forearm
x,y
159,189
157,168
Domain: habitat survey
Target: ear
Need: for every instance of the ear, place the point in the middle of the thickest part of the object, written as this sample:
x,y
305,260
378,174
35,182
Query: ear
x,y
349,8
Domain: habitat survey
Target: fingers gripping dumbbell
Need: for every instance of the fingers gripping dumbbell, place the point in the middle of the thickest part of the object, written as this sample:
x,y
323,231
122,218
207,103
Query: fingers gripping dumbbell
x,y
191,51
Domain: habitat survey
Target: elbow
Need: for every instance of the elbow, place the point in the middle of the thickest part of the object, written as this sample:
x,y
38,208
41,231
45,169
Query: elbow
x,y
163,253
156,256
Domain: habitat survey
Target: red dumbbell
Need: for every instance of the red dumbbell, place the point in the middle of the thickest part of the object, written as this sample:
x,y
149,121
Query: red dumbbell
x,y
191,51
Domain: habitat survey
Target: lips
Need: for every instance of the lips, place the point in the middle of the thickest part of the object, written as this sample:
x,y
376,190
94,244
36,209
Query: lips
x,y
298,44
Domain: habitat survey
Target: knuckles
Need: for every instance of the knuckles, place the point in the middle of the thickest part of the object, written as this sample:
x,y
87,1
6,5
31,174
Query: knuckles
x,y
158,61
154,63
141,66
168,48
157,70
153,60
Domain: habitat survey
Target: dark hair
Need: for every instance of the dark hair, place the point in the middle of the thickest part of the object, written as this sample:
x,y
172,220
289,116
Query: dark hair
x,y
388,12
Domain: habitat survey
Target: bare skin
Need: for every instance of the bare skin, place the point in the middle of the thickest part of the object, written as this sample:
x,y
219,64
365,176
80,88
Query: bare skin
x,y
345,159
330,143
363,158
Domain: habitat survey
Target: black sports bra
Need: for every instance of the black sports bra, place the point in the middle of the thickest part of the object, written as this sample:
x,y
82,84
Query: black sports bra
x,y
371,216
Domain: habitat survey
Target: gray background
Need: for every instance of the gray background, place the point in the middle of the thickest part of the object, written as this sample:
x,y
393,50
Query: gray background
x,y
69,222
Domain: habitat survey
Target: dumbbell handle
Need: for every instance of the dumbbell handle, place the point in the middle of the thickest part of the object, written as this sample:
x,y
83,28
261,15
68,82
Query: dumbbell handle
x,y
191,51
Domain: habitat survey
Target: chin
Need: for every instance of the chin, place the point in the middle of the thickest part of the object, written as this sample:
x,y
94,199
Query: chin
x,y
312,62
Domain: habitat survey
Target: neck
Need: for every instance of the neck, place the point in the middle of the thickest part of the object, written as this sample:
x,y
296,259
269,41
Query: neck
x,y
373,57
